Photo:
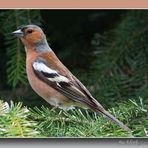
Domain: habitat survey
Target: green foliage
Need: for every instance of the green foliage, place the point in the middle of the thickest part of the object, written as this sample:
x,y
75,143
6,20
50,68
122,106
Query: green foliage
x,y
121,59
76,123
18,121
14,121
15,51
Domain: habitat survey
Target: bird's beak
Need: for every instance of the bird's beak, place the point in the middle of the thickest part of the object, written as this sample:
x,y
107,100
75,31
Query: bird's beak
x,y
18,33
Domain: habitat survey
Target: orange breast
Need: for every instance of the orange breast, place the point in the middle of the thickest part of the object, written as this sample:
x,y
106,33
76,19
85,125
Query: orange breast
x,y
40,87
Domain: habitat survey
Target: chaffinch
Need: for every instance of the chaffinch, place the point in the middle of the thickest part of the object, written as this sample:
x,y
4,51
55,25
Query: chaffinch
x,y
50,79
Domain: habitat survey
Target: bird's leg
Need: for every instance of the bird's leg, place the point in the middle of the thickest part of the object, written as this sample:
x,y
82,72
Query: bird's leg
x,y
55,107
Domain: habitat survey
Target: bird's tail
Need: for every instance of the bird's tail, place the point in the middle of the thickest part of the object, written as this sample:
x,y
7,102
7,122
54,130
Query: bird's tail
x,y
115,120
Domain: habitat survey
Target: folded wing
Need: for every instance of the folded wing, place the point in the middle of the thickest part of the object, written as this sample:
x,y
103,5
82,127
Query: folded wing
x,y
67,85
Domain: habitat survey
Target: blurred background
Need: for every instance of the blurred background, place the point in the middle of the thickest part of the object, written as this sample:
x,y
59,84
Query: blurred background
x,y
106,49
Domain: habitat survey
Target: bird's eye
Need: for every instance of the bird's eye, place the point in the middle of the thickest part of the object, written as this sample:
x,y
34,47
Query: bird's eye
x,y
29,31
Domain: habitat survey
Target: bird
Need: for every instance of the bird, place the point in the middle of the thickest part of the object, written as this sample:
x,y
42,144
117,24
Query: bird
x,y
53,81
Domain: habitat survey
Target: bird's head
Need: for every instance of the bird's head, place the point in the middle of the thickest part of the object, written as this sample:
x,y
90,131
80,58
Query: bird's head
x,y
32,36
